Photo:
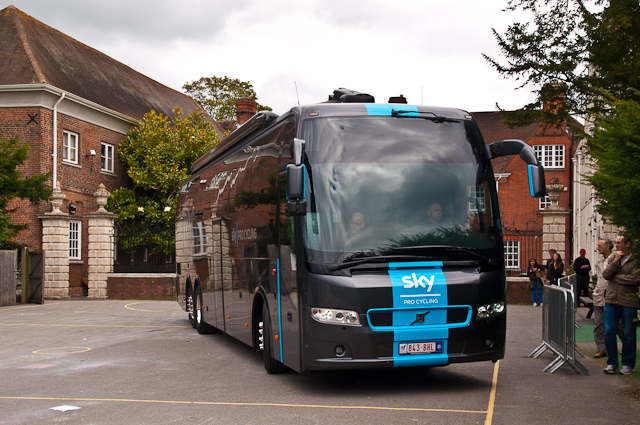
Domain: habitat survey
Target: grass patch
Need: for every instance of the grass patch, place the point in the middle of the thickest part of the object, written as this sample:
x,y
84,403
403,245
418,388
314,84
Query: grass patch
x,y
585,334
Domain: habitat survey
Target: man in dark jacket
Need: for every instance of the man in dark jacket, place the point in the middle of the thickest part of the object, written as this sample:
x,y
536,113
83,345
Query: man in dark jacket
x,y
582,266
621,303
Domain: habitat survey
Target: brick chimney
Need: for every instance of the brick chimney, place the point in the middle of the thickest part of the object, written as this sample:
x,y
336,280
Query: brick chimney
x,y
245,109
554,96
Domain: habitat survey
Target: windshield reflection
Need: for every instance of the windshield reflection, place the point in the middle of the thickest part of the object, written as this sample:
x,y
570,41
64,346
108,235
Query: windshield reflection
x,y
421,184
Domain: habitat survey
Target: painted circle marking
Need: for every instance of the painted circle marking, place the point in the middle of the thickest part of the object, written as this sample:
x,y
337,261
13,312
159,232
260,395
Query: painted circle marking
x,y
75,350
138,309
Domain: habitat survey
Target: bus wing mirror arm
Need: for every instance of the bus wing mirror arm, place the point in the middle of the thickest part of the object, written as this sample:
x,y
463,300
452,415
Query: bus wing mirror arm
x,y
296,150
537,186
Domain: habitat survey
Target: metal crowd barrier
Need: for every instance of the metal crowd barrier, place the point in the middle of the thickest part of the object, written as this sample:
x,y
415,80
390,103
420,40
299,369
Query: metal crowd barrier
x,y
571,282
558,329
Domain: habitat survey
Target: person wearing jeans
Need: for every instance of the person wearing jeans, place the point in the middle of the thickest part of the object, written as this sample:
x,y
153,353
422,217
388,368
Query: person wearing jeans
x,y
621,302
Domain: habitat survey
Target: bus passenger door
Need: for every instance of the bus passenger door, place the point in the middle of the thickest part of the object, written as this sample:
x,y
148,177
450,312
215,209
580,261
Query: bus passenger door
x,y
288,284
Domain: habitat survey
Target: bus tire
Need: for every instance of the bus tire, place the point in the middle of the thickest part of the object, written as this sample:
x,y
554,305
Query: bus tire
x,y
270,364
201,326
190,309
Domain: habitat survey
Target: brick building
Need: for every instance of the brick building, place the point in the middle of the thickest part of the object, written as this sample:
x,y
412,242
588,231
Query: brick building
x,y
522,216
73,106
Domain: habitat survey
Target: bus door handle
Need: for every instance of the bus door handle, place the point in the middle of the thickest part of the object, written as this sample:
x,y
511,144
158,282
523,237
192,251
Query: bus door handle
x,y
289,316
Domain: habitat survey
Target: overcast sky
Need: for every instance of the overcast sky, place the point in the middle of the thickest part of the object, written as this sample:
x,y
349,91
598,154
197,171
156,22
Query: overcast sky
x,y
429,51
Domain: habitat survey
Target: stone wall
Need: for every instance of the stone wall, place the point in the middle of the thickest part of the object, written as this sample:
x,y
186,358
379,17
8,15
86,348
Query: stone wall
x,y
141,286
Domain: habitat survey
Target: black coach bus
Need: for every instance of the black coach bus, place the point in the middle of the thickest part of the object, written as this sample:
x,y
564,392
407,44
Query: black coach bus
x,y
349,234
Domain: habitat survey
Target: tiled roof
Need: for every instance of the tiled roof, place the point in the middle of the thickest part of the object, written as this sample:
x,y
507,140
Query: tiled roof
x,y
493,129
33,53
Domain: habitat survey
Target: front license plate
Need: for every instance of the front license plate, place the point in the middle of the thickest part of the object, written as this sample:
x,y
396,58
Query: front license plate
x,y
420,348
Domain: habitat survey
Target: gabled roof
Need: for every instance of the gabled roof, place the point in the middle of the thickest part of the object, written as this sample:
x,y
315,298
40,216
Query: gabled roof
x,y
34,53
493,129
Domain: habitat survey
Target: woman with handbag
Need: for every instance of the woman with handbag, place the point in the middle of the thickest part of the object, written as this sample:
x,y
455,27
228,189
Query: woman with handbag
x,y
535,273
556,268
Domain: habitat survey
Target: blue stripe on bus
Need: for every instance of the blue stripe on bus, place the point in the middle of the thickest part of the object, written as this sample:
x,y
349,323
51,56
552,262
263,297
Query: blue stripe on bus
x,y
385,109
236,235
279,310
416,287
530,175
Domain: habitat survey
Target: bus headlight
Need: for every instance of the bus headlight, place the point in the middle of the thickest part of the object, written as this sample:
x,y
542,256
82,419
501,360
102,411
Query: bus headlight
x,y
490,310
341,317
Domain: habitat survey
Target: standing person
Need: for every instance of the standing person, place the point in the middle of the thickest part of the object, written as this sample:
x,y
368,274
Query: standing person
x,y
556,267
549,261
582,267
534,272
605,246
619,303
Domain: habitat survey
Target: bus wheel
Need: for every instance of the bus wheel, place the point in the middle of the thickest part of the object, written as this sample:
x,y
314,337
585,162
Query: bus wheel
x,y
201,326
270,364
190,312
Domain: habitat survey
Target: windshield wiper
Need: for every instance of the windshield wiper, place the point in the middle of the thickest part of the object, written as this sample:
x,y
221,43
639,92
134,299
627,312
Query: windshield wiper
x,y
435,118
449,249
378,259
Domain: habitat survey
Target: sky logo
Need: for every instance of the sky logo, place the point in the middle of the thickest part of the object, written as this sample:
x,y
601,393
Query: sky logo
x,y
414,281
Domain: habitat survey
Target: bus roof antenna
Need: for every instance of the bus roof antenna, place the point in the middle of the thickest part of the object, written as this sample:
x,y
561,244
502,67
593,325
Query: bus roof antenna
x,y
296,84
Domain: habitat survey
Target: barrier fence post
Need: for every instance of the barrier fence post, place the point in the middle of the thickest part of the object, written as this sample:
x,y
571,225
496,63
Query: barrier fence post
x,y
558,329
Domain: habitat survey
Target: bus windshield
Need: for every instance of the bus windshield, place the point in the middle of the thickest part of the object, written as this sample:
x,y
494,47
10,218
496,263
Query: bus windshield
x,y
376,185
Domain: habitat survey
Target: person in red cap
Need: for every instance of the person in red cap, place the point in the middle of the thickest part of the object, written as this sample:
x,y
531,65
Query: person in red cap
x,y
582,267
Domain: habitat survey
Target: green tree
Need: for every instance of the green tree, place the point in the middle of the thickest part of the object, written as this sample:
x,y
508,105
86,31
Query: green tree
x,y
158,155
584,55
615,149
13,186
218,96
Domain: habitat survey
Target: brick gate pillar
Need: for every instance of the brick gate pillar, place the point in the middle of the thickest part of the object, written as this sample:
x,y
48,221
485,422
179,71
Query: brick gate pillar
x,y
100,245
554,226
55,244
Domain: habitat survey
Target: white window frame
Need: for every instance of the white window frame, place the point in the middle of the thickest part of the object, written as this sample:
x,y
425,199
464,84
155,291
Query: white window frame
x,y
69,147
106,157
512,254
544,202
550,156
75,240
199,238
477,192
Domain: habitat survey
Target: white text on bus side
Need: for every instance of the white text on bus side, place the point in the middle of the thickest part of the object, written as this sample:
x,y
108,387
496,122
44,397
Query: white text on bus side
x,y
415,282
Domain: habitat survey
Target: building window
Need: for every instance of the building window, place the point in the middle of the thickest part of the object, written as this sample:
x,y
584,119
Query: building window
x,y
512,254
75,240
544,202
477,193
70,147
550,156
199,238
106,157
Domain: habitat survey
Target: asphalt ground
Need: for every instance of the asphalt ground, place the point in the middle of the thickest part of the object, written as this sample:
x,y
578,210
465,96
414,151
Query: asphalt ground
x,y
140,362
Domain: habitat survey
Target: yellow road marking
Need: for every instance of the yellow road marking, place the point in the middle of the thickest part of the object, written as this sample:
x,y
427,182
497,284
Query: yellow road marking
x,y
89,326
82,350
216,403
137,309
492,397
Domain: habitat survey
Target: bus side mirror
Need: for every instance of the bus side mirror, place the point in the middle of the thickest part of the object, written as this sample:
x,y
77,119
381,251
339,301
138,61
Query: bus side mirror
x,y
537,186
296,190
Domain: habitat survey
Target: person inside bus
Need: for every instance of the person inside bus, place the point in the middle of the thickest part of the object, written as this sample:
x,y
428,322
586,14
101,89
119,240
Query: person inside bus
x,y
356,224
435,213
